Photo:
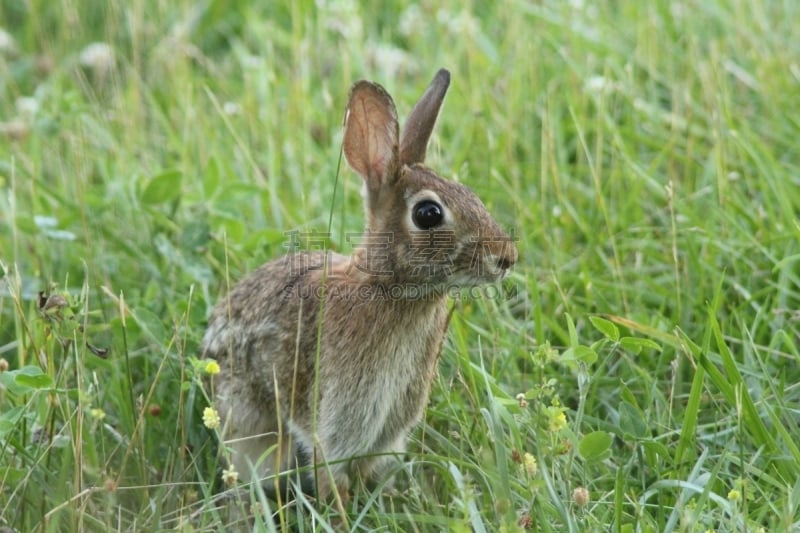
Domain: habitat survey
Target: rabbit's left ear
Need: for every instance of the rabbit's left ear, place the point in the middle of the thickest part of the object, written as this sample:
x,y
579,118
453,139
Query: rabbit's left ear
x,y
420,122
370,134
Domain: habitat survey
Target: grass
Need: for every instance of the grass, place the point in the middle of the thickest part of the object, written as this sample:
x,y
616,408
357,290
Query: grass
x,y
645,155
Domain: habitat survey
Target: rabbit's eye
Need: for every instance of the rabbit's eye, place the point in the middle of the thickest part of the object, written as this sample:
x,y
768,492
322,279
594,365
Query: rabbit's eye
x,y
427,214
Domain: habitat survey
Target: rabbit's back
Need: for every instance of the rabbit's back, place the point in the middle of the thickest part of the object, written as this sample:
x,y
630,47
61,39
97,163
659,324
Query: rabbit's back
x,y
253,332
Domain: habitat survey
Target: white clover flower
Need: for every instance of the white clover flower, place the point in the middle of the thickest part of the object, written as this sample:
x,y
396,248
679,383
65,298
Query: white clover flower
x,y
599,85
411,20
231,108
7,43
523,402
98,57
463,23
390,59
27,105
230,476
342,17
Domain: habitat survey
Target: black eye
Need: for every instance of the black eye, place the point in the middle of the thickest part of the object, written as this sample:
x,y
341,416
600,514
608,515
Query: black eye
x,y
427,214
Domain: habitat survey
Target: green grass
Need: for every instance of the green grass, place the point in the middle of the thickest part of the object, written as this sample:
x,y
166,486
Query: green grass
x,y
644,153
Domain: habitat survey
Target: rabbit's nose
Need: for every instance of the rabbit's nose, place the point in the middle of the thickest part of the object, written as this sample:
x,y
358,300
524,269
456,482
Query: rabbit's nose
x,y
505,262
507,256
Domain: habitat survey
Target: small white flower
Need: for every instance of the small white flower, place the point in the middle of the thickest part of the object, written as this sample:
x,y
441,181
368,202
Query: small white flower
x,y
523,402
411,20
7,43
27,105
391,59
230,476
461,24
231,108
599,85
342,17
98,57
251,61
678,10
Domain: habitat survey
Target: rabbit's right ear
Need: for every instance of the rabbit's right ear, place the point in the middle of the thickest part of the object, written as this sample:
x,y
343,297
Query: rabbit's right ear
x,y
371,134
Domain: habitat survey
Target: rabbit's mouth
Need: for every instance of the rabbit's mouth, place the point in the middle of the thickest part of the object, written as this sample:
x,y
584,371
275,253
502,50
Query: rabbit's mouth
x,y
474,277
498,267
492,264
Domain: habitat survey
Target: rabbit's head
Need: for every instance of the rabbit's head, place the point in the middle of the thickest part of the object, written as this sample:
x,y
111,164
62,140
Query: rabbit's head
x,y
421,229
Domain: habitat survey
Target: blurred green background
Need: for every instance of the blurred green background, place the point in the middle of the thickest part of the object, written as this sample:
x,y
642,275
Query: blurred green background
x,y
644,153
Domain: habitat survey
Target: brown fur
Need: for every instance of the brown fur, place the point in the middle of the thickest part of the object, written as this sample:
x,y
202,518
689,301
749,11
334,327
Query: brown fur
x,y
330,359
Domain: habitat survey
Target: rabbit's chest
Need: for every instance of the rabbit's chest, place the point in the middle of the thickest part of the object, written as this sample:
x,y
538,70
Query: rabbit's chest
x,y
393,397
384,383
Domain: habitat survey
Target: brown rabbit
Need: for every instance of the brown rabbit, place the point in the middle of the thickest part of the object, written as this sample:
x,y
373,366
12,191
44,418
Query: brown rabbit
x,y
328,359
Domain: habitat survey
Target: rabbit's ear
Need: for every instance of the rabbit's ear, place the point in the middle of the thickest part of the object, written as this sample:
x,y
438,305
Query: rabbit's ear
x,y
370,134
419,125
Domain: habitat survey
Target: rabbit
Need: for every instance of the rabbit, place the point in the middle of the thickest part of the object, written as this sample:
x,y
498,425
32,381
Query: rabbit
x,y
327,359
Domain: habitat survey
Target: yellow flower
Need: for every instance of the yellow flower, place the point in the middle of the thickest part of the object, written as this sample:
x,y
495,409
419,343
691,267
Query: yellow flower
x,y
558,421
230,475
529,464
212,367
97,413
211,418
734,495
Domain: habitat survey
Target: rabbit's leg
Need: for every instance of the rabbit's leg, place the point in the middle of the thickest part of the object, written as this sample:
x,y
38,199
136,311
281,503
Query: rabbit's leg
x,y
257,455
328,473
331,473
347,448
390,459
259,446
